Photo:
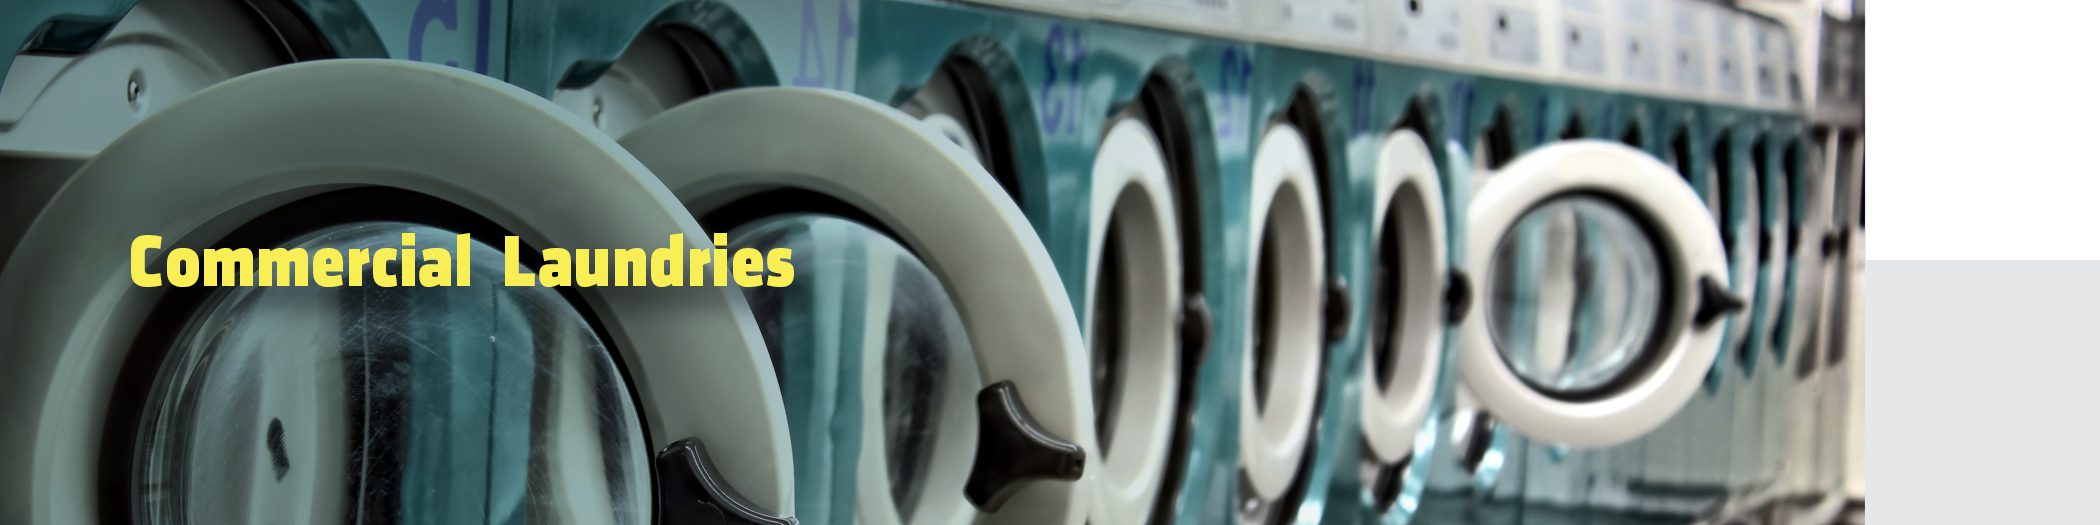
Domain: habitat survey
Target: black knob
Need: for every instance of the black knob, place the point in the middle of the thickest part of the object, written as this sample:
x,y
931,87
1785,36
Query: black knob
x,y
1715,300
690,491
1337,309
1013,449
1196,327
1458,296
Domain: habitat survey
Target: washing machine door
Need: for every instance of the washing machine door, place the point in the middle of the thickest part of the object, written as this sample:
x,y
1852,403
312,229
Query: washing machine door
x,y
1286,338
1134,319
1408,306
287,403
963,395
1603,287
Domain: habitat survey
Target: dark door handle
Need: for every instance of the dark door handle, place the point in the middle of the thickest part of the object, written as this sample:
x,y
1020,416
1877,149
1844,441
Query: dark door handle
x,y
1338,309
1458,296
1715,300
1013,449
1196,327
691,491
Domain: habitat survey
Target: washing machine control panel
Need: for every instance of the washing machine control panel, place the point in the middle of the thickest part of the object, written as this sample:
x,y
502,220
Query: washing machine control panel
x,y
1639,49
1343,24
1689,23
1733,59
1584,39
1509,35
1420,29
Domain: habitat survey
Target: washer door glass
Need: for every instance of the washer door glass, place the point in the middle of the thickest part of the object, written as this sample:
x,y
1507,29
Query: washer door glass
x,y
730,155
473,404
1575,294
301,404
1604,284
868,308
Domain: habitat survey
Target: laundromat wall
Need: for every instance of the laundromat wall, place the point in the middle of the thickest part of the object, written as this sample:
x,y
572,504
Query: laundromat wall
x,y
1101,261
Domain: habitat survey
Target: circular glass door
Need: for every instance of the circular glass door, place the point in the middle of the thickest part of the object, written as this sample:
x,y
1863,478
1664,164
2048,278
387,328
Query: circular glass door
x,y
470,403
1602,285
1281,379
868,307
1573,295
1404,350
971,386
1133,304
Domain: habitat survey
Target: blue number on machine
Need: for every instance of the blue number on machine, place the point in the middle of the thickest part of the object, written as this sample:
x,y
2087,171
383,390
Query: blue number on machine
x,y
1063,52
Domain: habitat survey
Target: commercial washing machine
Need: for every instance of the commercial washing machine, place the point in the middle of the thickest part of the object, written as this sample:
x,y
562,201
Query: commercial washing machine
x,y
914,401
160,402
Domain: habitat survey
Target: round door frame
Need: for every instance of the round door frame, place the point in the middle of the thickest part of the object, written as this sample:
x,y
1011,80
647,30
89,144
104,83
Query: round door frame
x,y
1271,443
1391,417
74,318
1132,193
1689,247
993,262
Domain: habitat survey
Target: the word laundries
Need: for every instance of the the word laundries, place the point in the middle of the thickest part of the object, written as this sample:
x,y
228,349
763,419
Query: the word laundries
x,y
674,264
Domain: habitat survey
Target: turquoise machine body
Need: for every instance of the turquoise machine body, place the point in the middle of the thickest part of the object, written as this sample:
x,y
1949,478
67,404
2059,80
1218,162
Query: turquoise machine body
x,y
1061,77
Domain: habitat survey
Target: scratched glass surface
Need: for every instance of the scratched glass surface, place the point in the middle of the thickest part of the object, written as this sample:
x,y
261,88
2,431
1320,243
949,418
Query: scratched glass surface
x,y
1575,293
480,404
857,290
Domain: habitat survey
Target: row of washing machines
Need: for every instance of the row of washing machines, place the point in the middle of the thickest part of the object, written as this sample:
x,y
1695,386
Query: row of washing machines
x,y
1103,261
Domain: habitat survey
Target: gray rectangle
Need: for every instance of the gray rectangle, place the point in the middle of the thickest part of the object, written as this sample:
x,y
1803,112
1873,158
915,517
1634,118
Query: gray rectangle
x,y
1986,382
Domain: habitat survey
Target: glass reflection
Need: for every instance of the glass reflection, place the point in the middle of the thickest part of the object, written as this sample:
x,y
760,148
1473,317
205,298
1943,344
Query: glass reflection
x,y
1575,290
860,291
478,404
